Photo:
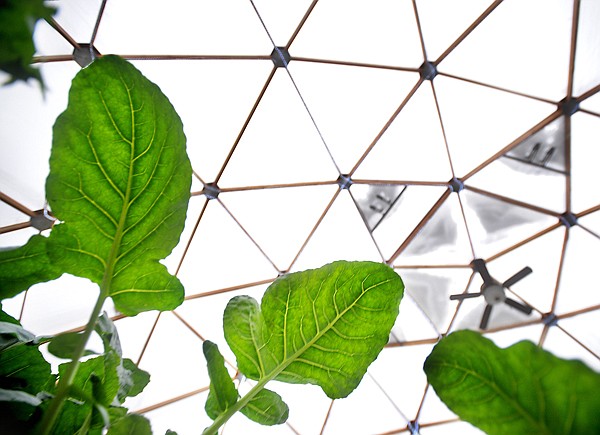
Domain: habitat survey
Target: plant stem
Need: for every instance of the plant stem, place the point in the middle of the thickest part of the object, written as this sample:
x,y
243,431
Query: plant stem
x,y
222,419
65,381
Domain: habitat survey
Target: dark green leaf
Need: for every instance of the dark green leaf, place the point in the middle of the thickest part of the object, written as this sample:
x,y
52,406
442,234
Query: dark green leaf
x,y
64,345
522,389
267,408
138,379
223,393
170,432
131,424
322,326
11,334
120,183
107,331
24,368
20,268
96,384
17,22
132,380
18,404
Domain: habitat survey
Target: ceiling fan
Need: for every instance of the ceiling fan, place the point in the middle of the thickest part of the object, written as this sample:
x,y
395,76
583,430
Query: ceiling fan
x,y
493,291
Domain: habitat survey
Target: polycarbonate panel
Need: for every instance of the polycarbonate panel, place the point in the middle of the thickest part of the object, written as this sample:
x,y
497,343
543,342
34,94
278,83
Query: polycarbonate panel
x,y
213,111
281,144
364,33
565,346
480,121
444,22
413,147
77,19
350,105
281,19
193,27
496,225
587,61
512,50
293,211
585,155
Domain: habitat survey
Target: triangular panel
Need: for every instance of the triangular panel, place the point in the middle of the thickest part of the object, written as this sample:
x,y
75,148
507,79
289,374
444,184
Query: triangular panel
x,y
224,257
413,147
291,152
354,40
470,115
293,211
442,22
496,225
514,61
585,155
331,241
443,240
350,105
202,28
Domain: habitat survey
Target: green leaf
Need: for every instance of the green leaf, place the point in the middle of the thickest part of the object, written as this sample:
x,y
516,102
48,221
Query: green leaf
x,y
64,345
11,334
17,22
132,380
138,379
24,368
96,384
522,389
22,267
120,183
222,393
266,408
323,326
16,410
131,424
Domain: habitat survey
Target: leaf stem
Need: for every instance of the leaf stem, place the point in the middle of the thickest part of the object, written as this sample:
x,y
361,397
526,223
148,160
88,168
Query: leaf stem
x,y
222,418
65,382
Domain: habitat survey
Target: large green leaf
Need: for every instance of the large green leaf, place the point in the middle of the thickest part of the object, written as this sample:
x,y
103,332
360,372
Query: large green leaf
x,y
22,267
323,326
522,389
119,182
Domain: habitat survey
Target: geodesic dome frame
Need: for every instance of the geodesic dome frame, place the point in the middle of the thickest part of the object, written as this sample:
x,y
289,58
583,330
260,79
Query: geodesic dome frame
x,y
433,136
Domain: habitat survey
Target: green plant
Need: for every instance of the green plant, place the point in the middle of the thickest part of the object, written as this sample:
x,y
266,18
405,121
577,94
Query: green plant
x,y
119,185
322,326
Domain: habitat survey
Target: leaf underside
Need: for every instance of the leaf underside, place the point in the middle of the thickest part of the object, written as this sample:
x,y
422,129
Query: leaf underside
x,y
520,389
323,326
119,182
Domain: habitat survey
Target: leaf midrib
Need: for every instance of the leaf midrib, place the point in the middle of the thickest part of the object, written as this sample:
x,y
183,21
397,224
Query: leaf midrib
x,y
293,357
116,245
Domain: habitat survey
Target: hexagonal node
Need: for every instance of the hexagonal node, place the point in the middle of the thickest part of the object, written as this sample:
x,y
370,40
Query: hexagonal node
x,y
41,220
344,181
569,106
428,71
280,57
85,54
211,190
456,185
